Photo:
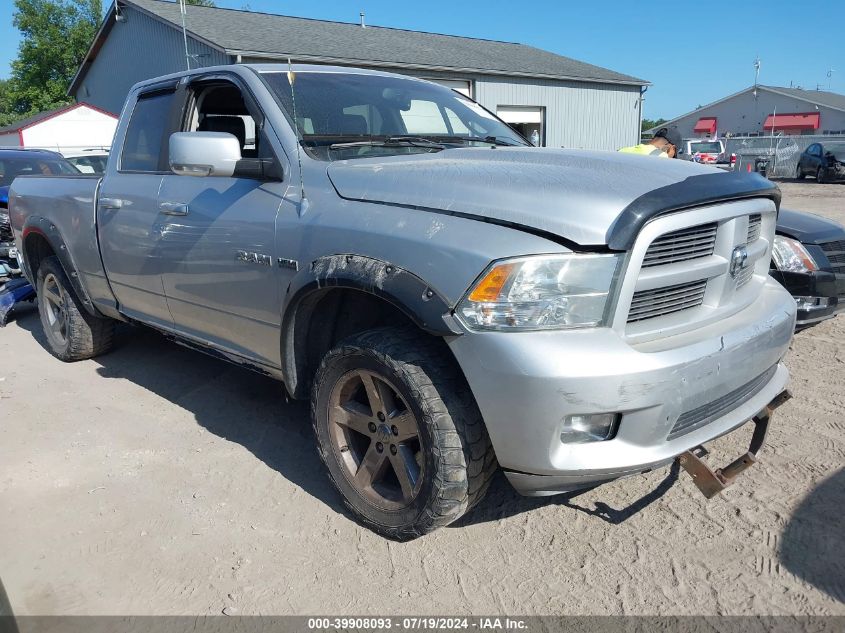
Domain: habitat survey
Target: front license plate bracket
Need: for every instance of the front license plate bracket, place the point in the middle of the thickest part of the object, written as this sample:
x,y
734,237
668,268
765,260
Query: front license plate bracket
x,y
711,482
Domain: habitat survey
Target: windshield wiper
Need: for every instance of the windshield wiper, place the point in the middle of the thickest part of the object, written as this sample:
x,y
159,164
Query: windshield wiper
x,y
492,140
398,141
498,140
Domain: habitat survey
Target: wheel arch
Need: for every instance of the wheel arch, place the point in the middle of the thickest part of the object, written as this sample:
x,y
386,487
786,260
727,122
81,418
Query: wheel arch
x,y
40,239
342,295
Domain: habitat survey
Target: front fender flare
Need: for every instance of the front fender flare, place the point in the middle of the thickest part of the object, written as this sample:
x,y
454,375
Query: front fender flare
x,y
410,294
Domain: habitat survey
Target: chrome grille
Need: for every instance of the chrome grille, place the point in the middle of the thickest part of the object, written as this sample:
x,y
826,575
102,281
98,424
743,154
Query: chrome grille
x,y
835,252
745,275
696,418
650,304
681,245
755,223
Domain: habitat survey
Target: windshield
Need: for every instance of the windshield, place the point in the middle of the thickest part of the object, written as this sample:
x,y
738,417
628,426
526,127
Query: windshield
x,y
334,109
709,148
11,167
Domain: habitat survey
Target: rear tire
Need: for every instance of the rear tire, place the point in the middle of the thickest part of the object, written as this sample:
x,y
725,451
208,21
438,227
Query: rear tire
x,y
399,432
799,173
72,332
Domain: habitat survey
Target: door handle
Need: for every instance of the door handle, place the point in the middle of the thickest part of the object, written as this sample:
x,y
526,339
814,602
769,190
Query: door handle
x,y
173,208
110,203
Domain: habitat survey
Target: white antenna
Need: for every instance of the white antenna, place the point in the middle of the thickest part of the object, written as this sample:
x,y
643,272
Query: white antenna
x,y
183,11
756,70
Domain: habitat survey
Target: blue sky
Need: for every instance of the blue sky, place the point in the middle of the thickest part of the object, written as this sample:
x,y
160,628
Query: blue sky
x,y
693,52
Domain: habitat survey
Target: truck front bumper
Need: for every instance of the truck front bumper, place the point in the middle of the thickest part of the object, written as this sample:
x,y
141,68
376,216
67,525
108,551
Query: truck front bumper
x,y
671,395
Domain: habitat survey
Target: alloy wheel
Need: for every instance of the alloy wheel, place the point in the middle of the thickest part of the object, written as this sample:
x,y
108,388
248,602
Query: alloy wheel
x,y
53,301
376,439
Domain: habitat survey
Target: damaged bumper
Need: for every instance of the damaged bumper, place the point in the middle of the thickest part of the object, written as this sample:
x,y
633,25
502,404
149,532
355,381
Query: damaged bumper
x,y
669,396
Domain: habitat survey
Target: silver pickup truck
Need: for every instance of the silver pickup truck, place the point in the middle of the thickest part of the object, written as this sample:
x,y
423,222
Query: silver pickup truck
x,y
451,299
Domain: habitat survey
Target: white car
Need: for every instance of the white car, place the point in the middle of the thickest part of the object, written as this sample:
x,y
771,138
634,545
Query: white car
x,y
92,161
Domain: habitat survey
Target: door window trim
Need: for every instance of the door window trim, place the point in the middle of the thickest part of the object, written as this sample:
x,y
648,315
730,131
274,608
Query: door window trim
x,y
252,104
177,92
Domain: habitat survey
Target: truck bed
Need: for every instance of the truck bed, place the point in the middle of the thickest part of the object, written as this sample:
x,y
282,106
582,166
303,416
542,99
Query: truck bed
x,y
65,206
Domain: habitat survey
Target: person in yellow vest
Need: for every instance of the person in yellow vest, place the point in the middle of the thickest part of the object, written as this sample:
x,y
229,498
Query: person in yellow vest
x,y
665,144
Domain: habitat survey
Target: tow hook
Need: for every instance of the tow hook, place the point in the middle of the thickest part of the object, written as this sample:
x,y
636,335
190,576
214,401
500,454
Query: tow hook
x,y
711,482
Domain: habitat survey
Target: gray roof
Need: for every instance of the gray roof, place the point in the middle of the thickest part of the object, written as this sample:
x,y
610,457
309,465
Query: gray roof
x,y
816,97
276,36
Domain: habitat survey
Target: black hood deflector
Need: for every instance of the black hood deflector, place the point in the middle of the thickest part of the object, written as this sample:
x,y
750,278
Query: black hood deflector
x,y
694,191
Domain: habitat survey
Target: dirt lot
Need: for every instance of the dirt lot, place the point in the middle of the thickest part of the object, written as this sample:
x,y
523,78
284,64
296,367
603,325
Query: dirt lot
x,y
155,480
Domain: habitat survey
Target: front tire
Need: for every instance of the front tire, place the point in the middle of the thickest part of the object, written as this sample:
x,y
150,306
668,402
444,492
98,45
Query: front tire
x,y
820,176
72,332
399,432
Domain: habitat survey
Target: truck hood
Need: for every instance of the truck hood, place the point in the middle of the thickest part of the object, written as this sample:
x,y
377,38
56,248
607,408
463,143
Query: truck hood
x,y
577,195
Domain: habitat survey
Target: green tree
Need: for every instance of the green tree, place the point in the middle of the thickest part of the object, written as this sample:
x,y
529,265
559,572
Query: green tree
x,y
6,115
202,3
650,123
55,35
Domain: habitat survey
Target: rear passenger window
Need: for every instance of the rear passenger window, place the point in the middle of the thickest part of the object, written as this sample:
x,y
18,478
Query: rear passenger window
x,y
145,133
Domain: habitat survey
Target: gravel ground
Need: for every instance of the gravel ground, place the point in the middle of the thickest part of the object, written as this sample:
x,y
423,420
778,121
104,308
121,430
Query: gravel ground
x,y
155,480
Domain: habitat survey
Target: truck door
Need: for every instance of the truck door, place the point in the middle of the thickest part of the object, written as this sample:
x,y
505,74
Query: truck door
x,y
128,217
221,278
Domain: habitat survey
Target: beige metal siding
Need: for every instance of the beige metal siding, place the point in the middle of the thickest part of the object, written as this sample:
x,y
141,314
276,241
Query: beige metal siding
x,y
578,114
136,49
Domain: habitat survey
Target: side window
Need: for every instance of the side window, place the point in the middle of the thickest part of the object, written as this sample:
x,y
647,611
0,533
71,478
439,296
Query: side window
x,y
145,133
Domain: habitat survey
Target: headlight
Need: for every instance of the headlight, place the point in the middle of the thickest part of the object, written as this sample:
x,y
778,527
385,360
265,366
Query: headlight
x,y
543,292
790,256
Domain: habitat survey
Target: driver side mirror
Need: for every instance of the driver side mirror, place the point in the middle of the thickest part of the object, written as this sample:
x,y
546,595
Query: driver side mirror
x,y
204,154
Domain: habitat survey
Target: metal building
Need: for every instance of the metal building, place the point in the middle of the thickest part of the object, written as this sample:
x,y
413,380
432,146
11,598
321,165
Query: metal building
x,y
766,111
567,103
69,128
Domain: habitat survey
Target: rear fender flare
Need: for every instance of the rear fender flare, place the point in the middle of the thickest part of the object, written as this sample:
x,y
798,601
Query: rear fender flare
x,y
36,225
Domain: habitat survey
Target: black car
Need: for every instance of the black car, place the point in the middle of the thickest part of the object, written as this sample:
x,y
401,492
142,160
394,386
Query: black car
x,y
808,259
825,161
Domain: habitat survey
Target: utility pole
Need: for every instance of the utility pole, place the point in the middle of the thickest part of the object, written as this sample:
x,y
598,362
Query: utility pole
x,y
182,10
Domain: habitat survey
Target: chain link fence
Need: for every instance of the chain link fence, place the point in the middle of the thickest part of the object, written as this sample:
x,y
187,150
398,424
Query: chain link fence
x,y
782,151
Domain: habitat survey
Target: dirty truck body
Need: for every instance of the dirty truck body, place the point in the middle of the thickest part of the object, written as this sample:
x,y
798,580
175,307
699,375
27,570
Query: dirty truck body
x,y
449,297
